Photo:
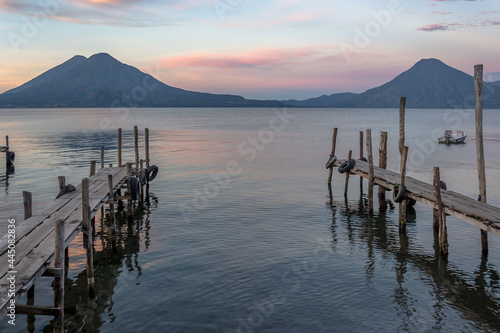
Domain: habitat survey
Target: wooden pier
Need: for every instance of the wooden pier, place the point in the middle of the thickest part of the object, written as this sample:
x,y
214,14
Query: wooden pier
x,y
407,189
484,216
37,248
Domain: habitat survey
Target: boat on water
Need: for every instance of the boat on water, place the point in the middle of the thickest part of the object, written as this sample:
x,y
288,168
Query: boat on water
x,y
450,137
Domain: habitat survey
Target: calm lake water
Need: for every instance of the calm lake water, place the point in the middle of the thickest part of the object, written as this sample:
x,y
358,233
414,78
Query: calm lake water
x,y
239,235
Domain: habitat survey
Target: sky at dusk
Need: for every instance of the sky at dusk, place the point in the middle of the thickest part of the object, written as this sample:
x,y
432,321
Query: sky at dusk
x,y
273,49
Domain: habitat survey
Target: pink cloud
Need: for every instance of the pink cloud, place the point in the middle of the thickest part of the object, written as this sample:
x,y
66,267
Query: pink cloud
x,y
433,27
441,13
263,58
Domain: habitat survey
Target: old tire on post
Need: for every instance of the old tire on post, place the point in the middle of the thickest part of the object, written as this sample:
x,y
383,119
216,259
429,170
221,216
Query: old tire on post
x,y
11,157
152,172
345,167
135,190
330,162
399,193
442,185
66,189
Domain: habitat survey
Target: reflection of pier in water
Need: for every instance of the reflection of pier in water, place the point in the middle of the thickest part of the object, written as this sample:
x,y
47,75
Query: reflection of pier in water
x,y
82,312
474,297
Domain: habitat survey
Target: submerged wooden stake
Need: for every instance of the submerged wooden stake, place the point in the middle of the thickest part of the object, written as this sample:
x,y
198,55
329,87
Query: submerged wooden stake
x,y
478,84
443,235
334,143
369,153
87,230
382,163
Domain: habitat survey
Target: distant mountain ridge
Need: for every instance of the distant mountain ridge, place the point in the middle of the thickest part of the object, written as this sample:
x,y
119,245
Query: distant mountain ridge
x,y
103,81
430,83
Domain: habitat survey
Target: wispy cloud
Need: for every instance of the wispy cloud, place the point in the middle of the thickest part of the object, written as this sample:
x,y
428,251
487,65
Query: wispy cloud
x,y
262,58
441,13
133,13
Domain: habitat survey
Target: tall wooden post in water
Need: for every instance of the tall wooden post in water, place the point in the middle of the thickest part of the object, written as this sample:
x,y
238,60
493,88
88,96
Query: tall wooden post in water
x,y
478,84
382,163
404,155
369,153
334,144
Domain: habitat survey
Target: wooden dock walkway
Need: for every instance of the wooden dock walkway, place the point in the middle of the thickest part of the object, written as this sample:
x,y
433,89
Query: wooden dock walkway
x,y
36,247
477,213
35,237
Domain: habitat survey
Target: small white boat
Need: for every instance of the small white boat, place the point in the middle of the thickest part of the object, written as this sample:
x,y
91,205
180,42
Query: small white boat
x,y
450,137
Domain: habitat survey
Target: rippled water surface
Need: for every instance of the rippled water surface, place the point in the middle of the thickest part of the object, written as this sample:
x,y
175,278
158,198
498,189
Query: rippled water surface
x,y
240,234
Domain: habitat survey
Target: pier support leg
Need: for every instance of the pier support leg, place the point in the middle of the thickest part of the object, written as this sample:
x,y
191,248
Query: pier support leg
x,y
102,157
119,147
146,145
142,186
136,146
369,152
402,204
334,143
59,279
62,182
382,163
478,84
130,207
112,210
87,233
361,141
92,168
347,175
443,234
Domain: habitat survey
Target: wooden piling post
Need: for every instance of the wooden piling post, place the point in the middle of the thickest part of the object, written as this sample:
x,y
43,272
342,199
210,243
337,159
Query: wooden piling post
x,y
369,153
382,163
136,145
347,174
112,205
146,144
402,204
361,157
478,84
87,229
119,147
142,186
443,235
334,143
59,279
62,182
402,107
28,212
92,168
130,208
7,161
28,204
102,157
